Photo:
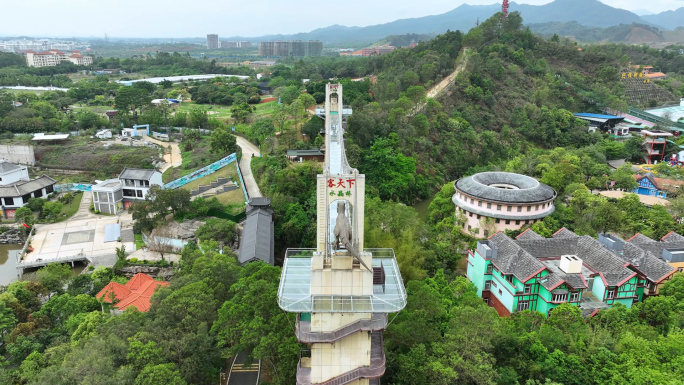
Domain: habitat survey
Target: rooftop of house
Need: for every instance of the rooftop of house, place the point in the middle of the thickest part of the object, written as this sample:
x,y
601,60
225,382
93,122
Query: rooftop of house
x,y
659,183
505,187
6,167
24,187
136,292
137,173
530,254
257,235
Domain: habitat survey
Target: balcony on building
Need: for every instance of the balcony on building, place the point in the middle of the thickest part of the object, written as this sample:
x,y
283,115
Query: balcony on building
x,y
294,293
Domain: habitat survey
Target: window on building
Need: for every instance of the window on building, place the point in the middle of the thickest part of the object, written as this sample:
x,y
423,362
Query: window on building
x,y
128,193
517,222
470,215
25,198
508,222
500,292
528,289
478,216
479,203
49,189
509,278
536,208
38,193
519,208
488,269
472,201
9,201
610,294
527,222
145,183
494,285
498,221
529,208
139,193
523,305
559,298
486,300
489,205
574,297
488,285
509,208
498,207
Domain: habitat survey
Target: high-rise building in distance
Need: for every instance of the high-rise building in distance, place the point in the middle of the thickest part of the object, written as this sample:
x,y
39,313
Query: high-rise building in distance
x,y
212,41
295,48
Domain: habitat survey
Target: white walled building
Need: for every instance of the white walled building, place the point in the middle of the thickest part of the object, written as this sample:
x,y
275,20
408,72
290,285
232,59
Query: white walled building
x,y
496,201
16,188
53,57
133,184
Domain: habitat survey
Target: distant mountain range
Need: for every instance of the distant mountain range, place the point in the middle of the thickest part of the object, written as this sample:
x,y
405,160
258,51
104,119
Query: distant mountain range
x,y
589,13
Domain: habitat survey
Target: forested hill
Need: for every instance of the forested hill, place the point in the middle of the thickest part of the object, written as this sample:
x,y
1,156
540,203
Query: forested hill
x,y
592,13
623,33
518,94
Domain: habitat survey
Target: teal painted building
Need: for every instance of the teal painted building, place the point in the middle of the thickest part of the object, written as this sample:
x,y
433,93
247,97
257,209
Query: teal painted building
x,y
537,273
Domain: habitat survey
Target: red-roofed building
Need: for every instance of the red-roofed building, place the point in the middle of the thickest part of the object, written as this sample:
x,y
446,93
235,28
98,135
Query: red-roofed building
x,y
137,292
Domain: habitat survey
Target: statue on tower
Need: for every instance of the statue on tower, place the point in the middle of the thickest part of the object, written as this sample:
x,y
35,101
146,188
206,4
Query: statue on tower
x,y
342,230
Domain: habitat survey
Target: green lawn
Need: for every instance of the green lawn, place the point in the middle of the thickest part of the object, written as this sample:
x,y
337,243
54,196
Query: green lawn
x,y
234,197
70,210
222,112
139,243
229,171
264,109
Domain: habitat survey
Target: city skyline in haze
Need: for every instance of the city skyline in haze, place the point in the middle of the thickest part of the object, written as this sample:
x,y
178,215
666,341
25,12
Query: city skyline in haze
x,y
183,19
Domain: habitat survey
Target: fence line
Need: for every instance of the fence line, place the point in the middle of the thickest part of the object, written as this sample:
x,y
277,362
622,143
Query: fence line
x,y
202,172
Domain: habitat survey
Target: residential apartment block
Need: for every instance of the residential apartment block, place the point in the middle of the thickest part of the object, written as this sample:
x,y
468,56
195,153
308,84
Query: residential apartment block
x,y
291,48
212,41
537,273
53,57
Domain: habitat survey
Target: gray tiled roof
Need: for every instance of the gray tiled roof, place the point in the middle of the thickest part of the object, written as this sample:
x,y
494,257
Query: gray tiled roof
x,y
528,235
512,259
26,187
575,280
641,238
646,257
673,237
7,167
529,190
136,173
564,233
257,237
551,281
521,258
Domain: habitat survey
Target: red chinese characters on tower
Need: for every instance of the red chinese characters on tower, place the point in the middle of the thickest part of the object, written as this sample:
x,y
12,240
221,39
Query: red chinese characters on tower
x,y
341,183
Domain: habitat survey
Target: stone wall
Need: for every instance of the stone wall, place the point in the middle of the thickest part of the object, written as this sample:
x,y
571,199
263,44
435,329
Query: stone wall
x,y
164,273
11,236
19,154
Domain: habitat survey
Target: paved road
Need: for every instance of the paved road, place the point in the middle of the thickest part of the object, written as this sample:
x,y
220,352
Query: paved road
x,y
174,159
245,165
244,375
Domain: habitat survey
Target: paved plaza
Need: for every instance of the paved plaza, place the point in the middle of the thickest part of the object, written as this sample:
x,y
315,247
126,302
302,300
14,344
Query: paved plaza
x,y
75,236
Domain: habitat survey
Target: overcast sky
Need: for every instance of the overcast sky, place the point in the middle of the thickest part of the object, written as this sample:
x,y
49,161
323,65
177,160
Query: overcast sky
x,y
196,18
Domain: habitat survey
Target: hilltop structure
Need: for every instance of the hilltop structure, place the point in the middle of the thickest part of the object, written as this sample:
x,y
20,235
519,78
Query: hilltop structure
x,y
537,273
341,291
497,201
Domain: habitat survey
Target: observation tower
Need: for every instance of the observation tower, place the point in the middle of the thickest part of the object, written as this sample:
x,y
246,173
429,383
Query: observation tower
x,y
341,291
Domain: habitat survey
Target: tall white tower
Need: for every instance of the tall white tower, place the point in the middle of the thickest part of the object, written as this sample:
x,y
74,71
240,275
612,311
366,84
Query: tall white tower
x,y
341,291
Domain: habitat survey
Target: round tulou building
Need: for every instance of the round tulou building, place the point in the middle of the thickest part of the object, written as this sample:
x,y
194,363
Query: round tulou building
x,y
496,201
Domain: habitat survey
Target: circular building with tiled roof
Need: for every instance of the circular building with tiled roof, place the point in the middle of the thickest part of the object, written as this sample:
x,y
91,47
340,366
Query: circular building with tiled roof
x,y
495,201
